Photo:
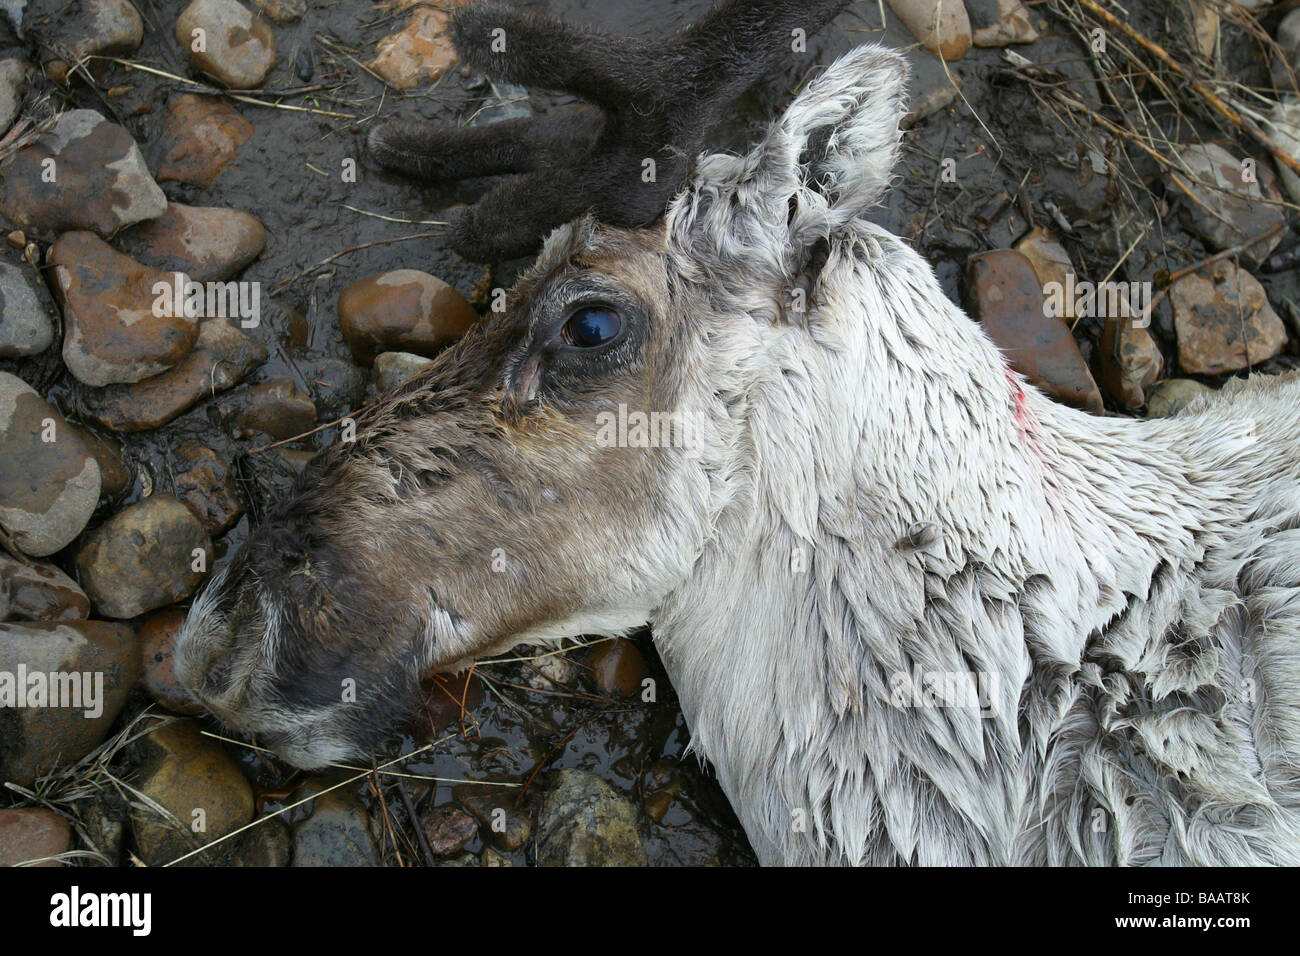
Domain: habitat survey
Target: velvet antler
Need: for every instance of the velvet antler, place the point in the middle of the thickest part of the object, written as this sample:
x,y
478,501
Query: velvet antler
x,y
653,99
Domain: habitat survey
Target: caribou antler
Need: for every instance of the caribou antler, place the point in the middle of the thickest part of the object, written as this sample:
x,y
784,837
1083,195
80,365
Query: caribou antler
x,y
623,159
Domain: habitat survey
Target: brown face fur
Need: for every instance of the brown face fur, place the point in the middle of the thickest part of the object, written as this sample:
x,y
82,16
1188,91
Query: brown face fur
x,y
475,507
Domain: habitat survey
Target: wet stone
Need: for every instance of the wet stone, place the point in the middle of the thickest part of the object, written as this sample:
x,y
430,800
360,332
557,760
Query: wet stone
x,y
502,824
1006,297
33,833
209,244
201,138
402,311
191,777
13,80
445,697
1223,320
237,46
267,844
114,475
276,407
448,829
942,27
1172,395
94,28
49,481
26,313
206,486
223,355
336,834
1130,362
39,592
157,673
115,331
1284,127
999,23
394,368
144,558
337,385
36,739
282,11
619,667
101,182
1052,266
420,52
584,822
1224,220
104,820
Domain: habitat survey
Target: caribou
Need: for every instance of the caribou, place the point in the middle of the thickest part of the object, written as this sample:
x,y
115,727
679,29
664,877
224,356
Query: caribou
x,y
915,611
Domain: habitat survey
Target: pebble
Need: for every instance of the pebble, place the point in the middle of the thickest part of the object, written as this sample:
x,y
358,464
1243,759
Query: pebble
x,y
143,558
276,407
94,28
223,355
200,139
208,244
1223,320
1130,362
39,592
38,740
999,23
584,822
402,311
1284,127
420,52
191,777
157,642
48,489
503,825
203,482
26,313
114,331
619,667
1221,219
33,833
1172,395
1006,297
394,368
13,80
238,48
102,182
941,26
448,829
336,834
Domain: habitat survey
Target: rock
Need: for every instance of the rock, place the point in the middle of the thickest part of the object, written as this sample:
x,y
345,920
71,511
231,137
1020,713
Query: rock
x,y
1222,219
26,313
336,834
114,475
277,407
200,139
1284,127
205,485
157,642
338,386
420,52
104,821
282,11
208,244
100,181
33,833
1173,395
234,46
402,311
619,667
1288,37
193,779
583,822
13,80
39,592
1053,268
503,825
1006,297
1223,320
1000,23
49,482
34,739
941,26
491,857
144,557
464,859
222,357
550,672
267,844
448,829
94,28
394,368
1204,26
116,331
1130,362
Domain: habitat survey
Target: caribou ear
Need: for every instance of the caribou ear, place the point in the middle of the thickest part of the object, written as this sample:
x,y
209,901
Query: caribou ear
x,y
821,165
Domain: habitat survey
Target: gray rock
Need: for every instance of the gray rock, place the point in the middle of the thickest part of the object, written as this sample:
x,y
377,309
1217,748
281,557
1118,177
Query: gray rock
x,y
49,481
336,834
583,822
32,833
1284,127
394,368
26,326
1223,208
13,79
1173,395
239,47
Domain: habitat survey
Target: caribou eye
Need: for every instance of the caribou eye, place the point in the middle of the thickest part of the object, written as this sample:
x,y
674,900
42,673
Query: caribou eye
x,y
592,326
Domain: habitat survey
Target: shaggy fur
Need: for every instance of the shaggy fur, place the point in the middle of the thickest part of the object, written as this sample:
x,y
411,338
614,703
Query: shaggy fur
x,y
877,499
654,99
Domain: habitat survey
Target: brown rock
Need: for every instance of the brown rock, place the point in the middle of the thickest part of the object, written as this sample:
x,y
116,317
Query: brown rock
x,y
114,475
448,829
1000,23
201,137
278,408
221,358
282,11
206,486
1130,362
1007,298
101,182
39,592
420,52
206,243
619,667
1053,267
33,833
115,333
941,26
1223,320
402,311
504,825
157,642
234,46
94,28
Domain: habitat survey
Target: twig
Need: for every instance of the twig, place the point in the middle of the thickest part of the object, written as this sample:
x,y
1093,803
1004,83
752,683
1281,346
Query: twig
x,y
285,283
